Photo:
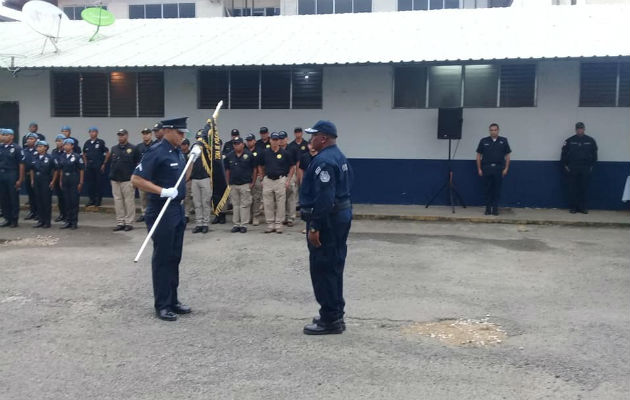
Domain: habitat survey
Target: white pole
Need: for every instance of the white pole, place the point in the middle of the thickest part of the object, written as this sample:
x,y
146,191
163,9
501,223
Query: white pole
x,y
193,157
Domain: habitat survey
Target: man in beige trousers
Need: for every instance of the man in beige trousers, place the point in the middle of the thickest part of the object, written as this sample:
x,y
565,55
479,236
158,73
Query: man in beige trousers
x,y
124,158
277,167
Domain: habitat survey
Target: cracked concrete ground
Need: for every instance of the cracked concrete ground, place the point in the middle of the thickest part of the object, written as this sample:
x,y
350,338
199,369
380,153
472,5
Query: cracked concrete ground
x,y
77,317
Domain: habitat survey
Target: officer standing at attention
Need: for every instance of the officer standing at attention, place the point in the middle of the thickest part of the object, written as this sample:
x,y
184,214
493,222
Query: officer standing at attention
x,y
95,157
278,168
302,166
189,207
43,181
30,153
326,207
71,169
157,175
240,172
228,147
255,213
199,183
66,131
56,154
147,141
264,142
11,177
125,158
579,155
158,132
33,128
493,163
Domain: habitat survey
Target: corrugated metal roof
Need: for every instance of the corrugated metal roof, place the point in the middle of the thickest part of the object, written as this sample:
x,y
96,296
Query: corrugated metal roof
x,y
413,36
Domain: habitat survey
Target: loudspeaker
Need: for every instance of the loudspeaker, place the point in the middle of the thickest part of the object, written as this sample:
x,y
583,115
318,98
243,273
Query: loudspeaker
x,y
450,123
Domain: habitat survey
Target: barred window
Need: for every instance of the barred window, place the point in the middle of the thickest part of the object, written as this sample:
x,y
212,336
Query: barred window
x,y
518,85
166,10
297,88
306,7
107,94
410,87
604,84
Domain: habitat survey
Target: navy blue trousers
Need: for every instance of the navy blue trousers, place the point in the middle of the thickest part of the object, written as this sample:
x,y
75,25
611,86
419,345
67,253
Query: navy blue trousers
x,y
9,196
327,264
71,198
93,181
168,242
492,180
30,191
43,198
579,178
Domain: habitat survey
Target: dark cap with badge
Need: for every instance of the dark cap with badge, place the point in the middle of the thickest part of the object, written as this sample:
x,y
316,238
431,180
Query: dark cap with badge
x,y
282,135
251,136
235,132
122,132
325,127
157,126
178,124
263,129
297,129
579,125
275,135
146,130
237,140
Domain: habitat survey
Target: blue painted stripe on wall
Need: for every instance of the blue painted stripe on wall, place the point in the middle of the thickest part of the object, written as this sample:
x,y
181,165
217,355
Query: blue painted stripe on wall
x,y
528,184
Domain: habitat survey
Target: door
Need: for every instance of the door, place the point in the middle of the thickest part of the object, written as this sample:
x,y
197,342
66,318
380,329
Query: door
x,y
10,117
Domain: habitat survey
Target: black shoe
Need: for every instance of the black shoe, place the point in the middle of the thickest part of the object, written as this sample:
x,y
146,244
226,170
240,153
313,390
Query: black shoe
x,y
66,225
198,229
128,228
343,323
46,226
235,229
38,225
166,315
73,226
30,216
186,219
488,211
322,328
583,211
222,218
243,229
140,218
5,224
90,204
495,211
573,211
14,224
204,229
180,308
119,228
215,220
60,218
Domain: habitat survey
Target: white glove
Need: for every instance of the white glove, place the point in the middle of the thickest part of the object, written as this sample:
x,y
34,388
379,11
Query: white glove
x,y
169,192
196,151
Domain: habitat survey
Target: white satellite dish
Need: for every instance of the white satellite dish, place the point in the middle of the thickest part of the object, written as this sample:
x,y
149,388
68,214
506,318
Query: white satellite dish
x,y
45,19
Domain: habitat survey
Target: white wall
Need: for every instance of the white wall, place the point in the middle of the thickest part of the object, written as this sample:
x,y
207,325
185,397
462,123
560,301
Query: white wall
x,y
358,99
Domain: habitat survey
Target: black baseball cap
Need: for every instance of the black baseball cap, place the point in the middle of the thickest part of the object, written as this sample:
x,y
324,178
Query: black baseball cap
x,y
122,132
235,132
237,140
263,129
579,125
322,126
251,136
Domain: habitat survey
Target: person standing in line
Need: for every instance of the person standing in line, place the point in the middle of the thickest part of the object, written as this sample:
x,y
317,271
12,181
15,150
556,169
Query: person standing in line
x,y
142,147
95,157
71,169
199,183
30,153
11,177
240,172
125,157
278,168
579,155
56,154
42,178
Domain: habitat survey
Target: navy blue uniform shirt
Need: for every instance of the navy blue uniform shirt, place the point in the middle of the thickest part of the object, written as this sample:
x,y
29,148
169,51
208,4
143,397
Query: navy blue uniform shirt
x,y
493,151
579,151
11,156
44,167
198,170
56,154
299,148
142,148
241,168
162,164
29,157
95,151
261,145
276,163
70,164
305,161
327,184
124,158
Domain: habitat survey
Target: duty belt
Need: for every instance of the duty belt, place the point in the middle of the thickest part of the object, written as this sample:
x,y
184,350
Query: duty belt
x,y
275,177
342,205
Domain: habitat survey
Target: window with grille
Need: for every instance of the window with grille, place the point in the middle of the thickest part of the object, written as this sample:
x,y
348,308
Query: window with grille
x,y
604,84
166,10
107,94
306,7
290,88
472,86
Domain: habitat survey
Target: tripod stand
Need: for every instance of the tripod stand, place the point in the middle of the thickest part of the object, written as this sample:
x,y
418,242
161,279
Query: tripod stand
x,y
452,191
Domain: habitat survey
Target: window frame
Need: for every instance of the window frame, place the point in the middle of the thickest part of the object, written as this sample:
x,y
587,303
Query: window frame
x,y
619,63
334,8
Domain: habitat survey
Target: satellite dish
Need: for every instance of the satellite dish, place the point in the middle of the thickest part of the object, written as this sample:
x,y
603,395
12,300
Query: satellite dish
x,y
97,16
45,19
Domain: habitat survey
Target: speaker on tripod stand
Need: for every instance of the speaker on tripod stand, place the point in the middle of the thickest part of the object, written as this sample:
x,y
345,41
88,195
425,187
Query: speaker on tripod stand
x,y
450,122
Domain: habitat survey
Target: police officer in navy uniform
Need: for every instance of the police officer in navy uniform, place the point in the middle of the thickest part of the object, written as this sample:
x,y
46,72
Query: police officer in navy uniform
x,y
42,178
71,173
11,177
67,132
30,152
33,128
142,147
157,175
56,154
228,147
327,208
579,155
264,141
95,156
493,163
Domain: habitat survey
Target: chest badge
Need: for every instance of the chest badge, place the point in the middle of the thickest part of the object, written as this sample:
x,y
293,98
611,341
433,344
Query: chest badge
x,y
255,154
303,148
279,156
267,146
324,176
72,159
45,161
128,150
97,146
12,150
245,156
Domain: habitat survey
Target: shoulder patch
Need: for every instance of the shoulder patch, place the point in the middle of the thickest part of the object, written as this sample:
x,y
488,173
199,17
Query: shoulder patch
x,y
318,170
324,176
